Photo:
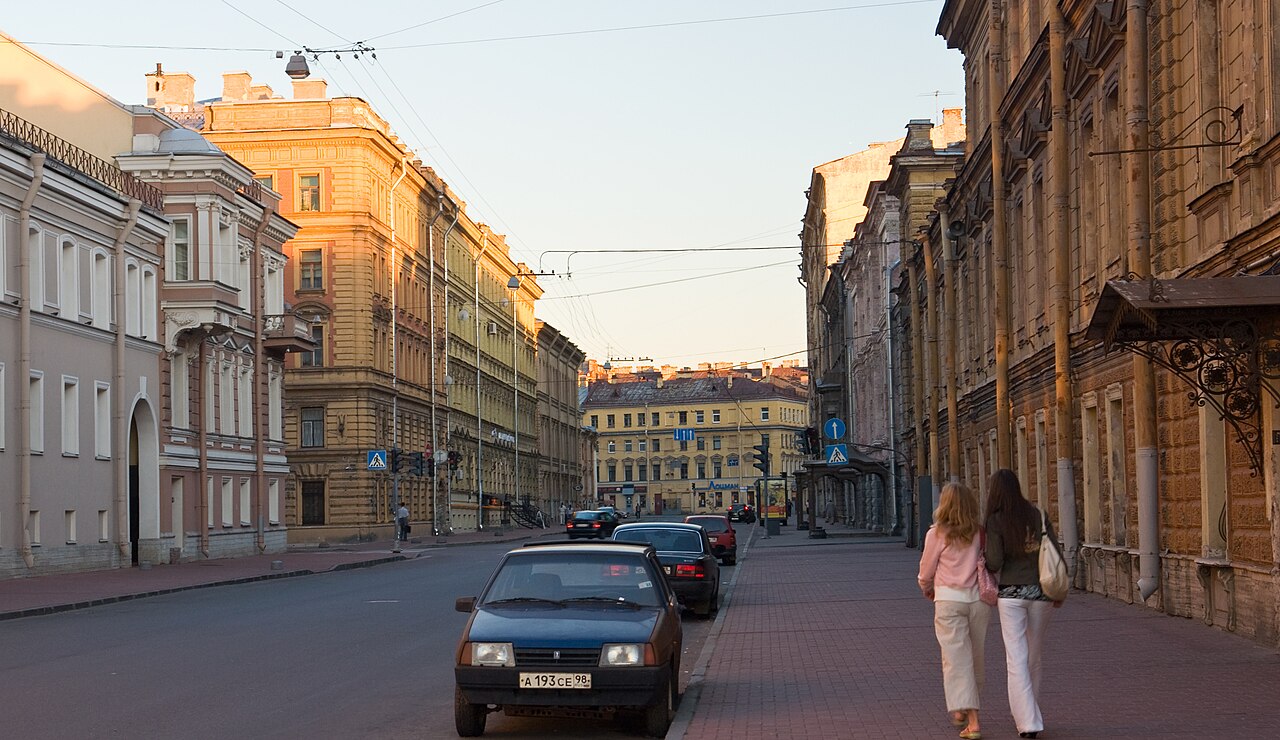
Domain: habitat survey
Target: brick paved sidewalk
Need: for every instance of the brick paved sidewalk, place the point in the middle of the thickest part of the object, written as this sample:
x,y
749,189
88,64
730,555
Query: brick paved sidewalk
x,y
834,640
23,597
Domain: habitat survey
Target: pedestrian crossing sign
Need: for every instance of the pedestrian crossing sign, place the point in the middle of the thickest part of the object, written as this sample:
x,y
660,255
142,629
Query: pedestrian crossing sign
x,y
377,460
837,454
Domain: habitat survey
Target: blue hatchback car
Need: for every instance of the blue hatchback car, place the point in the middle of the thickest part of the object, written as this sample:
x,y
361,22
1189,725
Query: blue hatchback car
x,y
579,629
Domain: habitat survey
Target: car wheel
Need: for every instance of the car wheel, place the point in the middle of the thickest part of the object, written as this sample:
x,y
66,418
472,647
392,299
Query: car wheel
x,y
715,600
731,559
657,716
468,718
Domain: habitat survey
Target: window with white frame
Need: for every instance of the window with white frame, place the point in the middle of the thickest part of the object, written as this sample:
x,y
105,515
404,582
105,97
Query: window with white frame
x,y
764,413
104,526
246,491
180,263
148,301
36,382
244,395
33,527
70,416
273,501
133,299
35,268
100,293
69,522
210,395
228,503
275,421
226,399
208,500
613,446
69,280
715,416
243,277
102,420
180,389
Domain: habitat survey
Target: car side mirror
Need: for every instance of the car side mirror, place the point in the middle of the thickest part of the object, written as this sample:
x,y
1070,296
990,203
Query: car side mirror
x,y
465,604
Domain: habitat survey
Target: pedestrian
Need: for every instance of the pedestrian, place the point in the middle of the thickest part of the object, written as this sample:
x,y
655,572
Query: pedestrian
x,y
1014,528
949,578
402,523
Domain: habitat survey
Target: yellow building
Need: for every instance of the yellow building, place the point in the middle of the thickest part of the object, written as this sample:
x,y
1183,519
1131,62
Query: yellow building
x,y
685,444
395,362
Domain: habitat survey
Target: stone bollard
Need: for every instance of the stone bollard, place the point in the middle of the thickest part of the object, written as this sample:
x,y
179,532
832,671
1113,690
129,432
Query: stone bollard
x,y
144,565
277,565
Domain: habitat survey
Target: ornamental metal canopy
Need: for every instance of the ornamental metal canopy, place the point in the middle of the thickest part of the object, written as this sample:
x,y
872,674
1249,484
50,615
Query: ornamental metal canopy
x,y
1220,335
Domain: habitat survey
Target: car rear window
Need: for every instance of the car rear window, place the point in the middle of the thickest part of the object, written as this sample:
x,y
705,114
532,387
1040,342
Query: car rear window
x,y
587,515
663,540
710,523
575,575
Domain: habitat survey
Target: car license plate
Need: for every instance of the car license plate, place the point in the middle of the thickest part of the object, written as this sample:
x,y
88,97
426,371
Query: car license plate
x,y
555,680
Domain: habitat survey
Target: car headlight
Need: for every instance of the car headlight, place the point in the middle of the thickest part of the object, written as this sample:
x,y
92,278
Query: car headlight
x,y
493,654
622,654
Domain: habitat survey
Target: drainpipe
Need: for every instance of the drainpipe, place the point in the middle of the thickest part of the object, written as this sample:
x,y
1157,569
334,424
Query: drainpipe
x,y
24,358
1139,198
484,247
917,394
431,344
257,284
202,472
999,238
120,441
1061,293
931,341
949,350
448,414
395,371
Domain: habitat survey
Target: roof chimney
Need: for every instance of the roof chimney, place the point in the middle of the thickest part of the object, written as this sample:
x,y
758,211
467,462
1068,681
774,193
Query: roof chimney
x,y
310,89
919,132
171,92
235,86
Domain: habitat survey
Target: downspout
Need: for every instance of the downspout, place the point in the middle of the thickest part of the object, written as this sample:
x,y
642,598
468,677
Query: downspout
x,y
258,286
120,441
431,344
1139,198
24,357
484,247
206,417
933,381
395,318
999,238
1061,293
949,350
922,465
448,414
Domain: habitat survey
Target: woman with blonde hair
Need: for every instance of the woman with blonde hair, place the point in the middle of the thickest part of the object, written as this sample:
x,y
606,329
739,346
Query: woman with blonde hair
x,y
949,578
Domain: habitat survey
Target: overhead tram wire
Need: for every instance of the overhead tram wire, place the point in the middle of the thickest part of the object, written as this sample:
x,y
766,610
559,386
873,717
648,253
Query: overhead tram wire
x,y
433,20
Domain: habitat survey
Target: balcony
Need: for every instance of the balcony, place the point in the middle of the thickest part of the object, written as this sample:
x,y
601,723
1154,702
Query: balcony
x,y
207,307
287,333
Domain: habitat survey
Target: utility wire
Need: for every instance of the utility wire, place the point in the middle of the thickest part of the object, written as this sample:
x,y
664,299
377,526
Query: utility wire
x,y
433,20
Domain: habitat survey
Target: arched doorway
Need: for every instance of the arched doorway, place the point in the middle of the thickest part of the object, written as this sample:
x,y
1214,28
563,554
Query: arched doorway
x,y
144,484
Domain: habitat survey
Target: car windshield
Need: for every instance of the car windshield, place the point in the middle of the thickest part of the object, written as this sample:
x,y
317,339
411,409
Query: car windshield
x,y
710,523
662,539
557,577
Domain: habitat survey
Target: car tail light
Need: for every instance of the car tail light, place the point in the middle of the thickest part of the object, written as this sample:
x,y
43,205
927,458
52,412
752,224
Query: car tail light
x,y
596,525
685,570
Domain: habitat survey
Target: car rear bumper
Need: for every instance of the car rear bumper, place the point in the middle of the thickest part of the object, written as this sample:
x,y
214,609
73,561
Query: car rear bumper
x,y
692,592
610,687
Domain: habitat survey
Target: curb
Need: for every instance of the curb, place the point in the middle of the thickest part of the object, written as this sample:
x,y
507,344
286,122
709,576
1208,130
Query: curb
x,y
38,611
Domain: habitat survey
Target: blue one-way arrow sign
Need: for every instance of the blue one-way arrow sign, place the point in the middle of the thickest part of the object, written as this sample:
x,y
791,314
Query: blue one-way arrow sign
x,y
837,454
377,460
833,428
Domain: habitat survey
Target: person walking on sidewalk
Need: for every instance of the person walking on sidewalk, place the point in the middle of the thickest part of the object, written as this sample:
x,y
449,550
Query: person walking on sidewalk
x,y
949,578
1013,550
402,523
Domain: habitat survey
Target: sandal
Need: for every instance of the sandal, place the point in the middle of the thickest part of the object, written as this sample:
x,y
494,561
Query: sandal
x,y
959,719
971,735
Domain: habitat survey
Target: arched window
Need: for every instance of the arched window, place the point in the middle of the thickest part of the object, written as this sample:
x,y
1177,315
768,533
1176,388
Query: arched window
x,y
148,303
132,299
100,295
69,280
35,277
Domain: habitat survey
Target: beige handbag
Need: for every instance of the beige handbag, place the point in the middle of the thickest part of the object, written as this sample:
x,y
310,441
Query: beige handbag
x,y
1053,568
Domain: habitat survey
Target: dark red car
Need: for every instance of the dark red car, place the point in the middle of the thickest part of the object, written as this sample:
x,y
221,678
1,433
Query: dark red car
x,y
724,540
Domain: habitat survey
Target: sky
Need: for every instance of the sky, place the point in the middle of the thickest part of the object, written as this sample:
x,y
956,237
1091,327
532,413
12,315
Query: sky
x,y
586,126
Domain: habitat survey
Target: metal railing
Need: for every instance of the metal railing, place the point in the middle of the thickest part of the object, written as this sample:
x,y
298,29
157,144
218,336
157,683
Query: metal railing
x,y
25,132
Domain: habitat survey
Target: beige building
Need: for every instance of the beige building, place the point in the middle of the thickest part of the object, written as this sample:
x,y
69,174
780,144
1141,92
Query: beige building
x,y
561,465
685,444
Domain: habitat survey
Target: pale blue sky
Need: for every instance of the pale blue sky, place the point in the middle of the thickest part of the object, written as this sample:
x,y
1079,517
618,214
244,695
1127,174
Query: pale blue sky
x,y
695,135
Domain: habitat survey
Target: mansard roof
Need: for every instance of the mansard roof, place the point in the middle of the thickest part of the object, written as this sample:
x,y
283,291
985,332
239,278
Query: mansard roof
x,y
678,391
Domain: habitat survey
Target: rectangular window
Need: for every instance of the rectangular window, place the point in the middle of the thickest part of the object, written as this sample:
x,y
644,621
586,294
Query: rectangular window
x,y
657,471
626,420
244,399
627,473
700,417
228,503
643,471
684,471
609,421
684,418
702,443
275,414
179,390
37,412
273,501
314,358
715,443
764,413
33,527
70,416
226,400
310,269
309,193
657,445
654,420
1090,465
684,446
715,416
613,472
245,506
595,421
702,471
104,526
613,446
1115,465
313,502
643,445
208,507
716,470
313,426
69,521
626,446
639,420
266,181
102,420
180,259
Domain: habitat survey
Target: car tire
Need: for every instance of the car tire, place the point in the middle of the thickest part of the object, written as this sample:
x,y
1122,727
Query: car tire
x,y
658,716
468,718
731,560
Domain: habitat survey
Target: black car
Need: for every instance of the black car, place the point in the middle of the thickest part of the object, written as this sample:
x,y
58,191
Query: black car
x,y
742,513
579,629
688,560
598,524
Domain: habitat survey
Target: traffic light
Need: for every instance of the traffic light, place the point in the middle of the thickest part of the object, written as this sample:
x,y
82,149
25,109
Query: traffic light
x,y
802,442
762,458
455,458
395,460
419,465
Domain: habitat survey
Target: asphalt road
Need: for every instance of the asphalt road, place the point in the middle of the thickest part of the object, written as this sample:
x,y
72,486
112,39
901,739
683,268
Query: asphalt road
x,y
353,654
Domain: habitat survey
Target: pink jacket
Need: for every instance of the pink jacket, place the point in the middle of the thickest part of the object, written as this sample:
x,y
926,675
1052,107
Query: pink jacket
x,y
952,570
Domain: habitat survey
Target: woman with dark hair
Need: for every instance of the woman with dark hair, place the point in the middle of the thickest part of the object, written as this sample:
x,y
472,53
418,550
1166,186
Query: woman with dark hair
x,y
949,578
1014,527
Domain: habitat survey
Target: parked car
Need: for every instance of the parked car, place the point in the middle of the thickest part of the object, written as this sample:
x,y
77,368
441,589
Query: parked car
x,y
742,513
724,541
613,510
598,524
687,560
590,629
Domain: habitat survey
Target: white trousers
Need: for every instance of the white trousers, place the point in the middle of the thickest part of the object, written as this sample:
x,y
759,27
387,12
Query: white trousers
x,y
962,632
1022,624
